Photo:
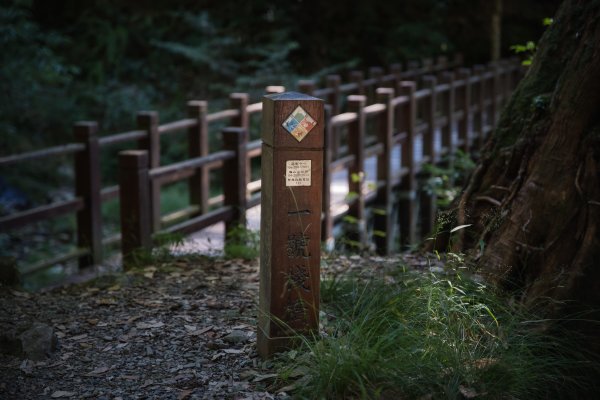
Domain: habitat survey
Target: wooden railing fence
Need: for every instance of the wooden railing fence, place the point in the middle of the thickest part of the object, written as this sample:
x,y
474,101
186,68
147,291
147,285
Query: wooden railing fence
x,y
367,117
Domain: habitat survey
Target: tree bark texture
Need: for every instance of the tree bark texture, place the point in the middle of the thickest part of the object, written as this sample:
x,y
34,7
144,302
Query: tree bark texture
x,y
496,34
534,199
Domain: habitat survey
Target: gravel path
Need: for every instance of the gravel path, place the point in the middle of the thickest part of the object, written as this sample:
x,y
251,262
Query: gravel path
x,y
181,330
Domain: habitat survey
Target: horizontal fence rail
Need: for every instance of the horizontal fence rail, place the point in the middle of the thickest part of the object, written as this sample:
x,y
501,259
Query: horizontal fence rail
x,y
409,117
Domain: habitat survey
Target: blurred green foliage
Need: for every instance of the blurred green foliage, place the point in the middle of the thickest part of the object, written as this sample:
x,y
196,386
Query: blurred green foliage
x,y
445,180
104,60
528,49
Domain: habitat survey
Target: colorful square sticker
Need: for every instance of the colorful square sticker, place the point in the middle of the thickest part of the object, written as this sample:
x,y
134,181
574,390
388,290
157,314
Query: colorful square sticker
x,y
299,123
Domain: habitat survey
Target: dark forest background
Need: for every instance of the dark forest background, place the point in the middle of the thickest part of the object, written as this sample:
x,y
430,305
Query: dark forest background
x,y
104,60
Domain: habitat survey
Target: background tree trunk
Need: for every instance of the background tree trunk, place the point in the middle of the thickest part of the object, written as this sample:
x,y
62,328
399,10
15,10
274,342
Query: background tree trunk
x,y
543,166
496,34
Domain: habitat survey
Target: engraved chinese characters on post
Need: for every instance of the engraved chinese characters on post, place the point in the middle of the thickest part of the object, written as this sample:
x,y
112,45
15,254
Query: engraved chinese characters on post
x,y
297,173
299,278
297,246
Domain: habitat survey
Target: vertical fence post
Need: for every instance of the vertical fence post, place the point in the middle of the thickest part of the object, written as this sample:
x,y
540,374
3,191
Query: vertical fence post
x,y
327,223
292,170
383,230
427,64
464,103
135,203
333,99
495,92
234,176
358,78
88,187
479,98
356,172
459,59
375,73
271,89
441,63
307,86
413,69
396,71
428,200
408,186
198,147
449,108
148,121
239,101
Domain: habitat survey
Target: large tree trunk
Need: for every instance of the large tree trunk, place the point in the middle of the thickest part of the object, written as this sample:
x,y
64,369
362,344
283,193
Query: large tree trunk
x,y
534,199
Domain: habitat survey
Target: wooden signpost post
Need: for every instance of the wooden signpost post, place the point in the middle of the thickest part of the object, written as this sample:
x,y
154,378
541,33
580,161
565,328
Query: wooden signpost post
x,y
292,176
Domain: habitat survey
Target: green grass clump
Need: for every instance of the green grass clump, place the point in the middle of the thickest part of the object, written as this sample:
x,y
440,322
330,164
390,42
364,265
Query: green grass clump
x,y
160,253
437,337
242,243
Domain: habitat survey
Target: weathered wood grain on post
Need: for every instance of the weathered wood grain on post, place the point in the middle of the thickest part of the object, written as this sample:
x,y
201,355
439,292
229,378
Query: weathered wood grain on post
x,y
87,187
356,172
234,176
396,71
198,147
428,199
292,171
384,209
376,74
327,224
239,101
358,78
134,197
408,186
333,98
307,86
148,121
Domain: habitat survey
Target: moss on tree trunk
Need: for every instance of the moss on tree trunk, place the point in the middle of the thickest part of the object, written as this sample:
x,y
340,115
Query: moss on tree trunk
x,y
542,165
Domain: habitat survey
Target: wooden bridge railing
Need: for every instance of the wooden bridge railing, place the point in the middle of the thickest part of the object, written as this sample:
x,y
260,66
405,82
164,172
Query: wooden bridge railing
x,y
474,95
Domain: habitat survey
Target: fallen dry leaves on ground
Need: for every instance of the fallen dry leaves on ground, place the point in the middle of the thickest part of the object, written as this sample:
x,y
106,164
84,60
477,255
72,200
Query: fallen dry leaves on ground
x,y
182,330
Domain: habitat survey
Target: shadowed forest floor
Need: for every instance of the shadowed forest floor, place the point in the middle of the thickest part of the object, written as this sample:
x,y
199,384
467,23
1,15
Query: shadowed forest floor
x,y
185,329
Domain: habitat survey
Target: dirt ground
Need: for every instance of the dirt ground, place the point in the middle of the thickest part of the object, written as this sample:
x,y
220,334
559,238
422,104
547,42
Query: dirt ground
x,y
181,330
